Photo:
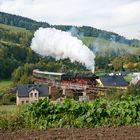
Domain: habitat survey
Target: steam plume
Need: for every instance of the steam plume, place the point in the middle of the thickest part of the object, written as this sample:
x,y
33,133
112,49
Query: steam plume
x,y
61,45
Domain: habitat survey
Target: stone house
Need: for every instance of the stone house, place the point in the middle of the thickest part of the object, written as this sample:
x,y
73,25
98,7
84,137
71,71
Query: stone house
x,y
27,93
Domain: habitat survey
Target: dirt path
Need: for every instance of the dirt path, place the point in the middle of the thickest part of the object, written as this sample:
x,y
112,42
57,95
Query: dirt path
x,y
104,133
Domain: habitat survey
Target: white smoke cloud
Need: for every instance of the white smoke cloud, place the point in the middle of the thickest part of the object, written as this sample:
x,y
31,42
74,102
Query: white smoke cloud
x,y
61,45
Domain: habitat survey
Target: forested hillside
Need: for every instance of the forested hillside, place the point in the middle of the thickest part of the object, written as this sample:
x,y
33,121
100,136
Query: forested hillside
x,y
17,60
30,24
16,55
19,21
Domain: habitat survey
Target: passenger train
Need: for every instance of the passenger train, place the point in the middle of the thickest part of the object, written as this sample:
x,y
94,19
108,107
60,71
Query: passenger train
x,y
77,78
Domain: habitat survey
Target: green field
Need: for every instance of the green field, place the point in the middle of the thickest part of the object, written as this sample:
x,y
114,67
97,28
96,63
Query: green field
x,y
5,84
8,109
10,116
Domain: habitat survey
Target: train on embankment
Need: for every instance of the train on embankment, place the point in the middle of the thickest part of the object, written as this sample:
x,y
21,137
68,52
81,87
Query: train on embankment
x,y
86,83
74,78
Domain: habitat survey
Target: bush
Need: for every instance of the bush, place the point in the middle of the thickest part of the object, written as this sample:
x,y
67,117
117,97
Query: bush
x,y
133,90
70,113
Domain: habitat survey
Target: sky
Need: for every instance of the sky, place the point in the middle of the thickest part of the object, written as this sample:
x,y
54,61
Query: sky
x,y
119,16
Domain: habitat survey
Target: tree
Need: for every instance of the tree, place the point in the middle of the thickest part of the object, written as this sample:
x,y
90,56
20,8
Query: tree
x,y
117,63
138,66
130,66
101,61
24,79
17,74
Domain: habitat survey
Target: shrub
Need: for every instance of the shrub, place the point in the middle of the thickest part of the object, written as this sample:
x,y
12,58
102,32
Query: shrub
x,y
70,113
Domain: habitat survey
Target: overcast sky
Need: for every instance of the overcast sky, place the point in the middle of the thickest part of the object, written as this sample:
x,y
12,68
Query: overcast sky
x,y
120,16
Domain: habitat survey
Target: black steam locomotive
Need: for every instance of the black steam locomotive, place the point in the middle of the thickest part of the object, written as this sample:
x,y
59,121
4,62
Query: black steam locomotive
x,y
70,76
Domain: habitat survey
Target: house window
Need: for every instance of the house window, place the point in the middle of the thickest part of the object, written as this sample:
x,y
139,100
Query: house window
x,y
22,102
35,94
31,94
27,101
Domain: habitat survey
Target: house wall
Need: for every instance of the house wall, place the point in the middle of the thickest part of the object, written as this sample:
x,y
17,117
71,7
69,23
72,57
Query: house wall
x,y
99,82
22,100
33,95
25,100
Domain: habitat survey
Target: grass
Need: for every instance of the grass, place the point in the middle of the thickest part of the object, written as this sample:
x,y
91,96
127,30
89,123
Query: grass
x,y
10,116
13,28
107,46
8,109
128,77
5,84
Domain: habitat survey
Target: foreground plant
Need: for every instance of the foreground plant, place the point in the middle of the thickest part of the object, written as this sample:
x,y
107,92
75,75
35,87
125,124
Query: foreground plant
x,y
70,113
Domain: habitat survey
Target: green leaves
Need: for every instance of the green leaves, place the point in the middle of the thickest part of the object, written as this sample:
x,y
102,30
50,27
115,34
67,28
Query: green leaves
x,y
70,113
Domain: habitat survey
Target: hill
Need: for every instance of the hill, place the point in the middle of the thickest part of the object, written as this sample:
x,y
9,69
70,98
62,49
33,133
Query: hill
x,y
104,47
17,59
30,24
19,35
16,55
15,34
19,21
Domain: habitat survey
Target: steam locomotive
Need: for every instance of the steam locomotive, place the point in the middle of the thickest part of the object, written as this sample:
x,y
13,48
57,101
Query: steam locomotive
x,y
66,77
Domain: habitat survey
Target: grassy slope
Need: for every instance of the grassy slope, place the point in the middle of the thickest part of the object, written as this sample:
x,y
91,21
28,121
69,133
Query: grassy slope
x,y
8,109
13,28
10,116
5,84
105,45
